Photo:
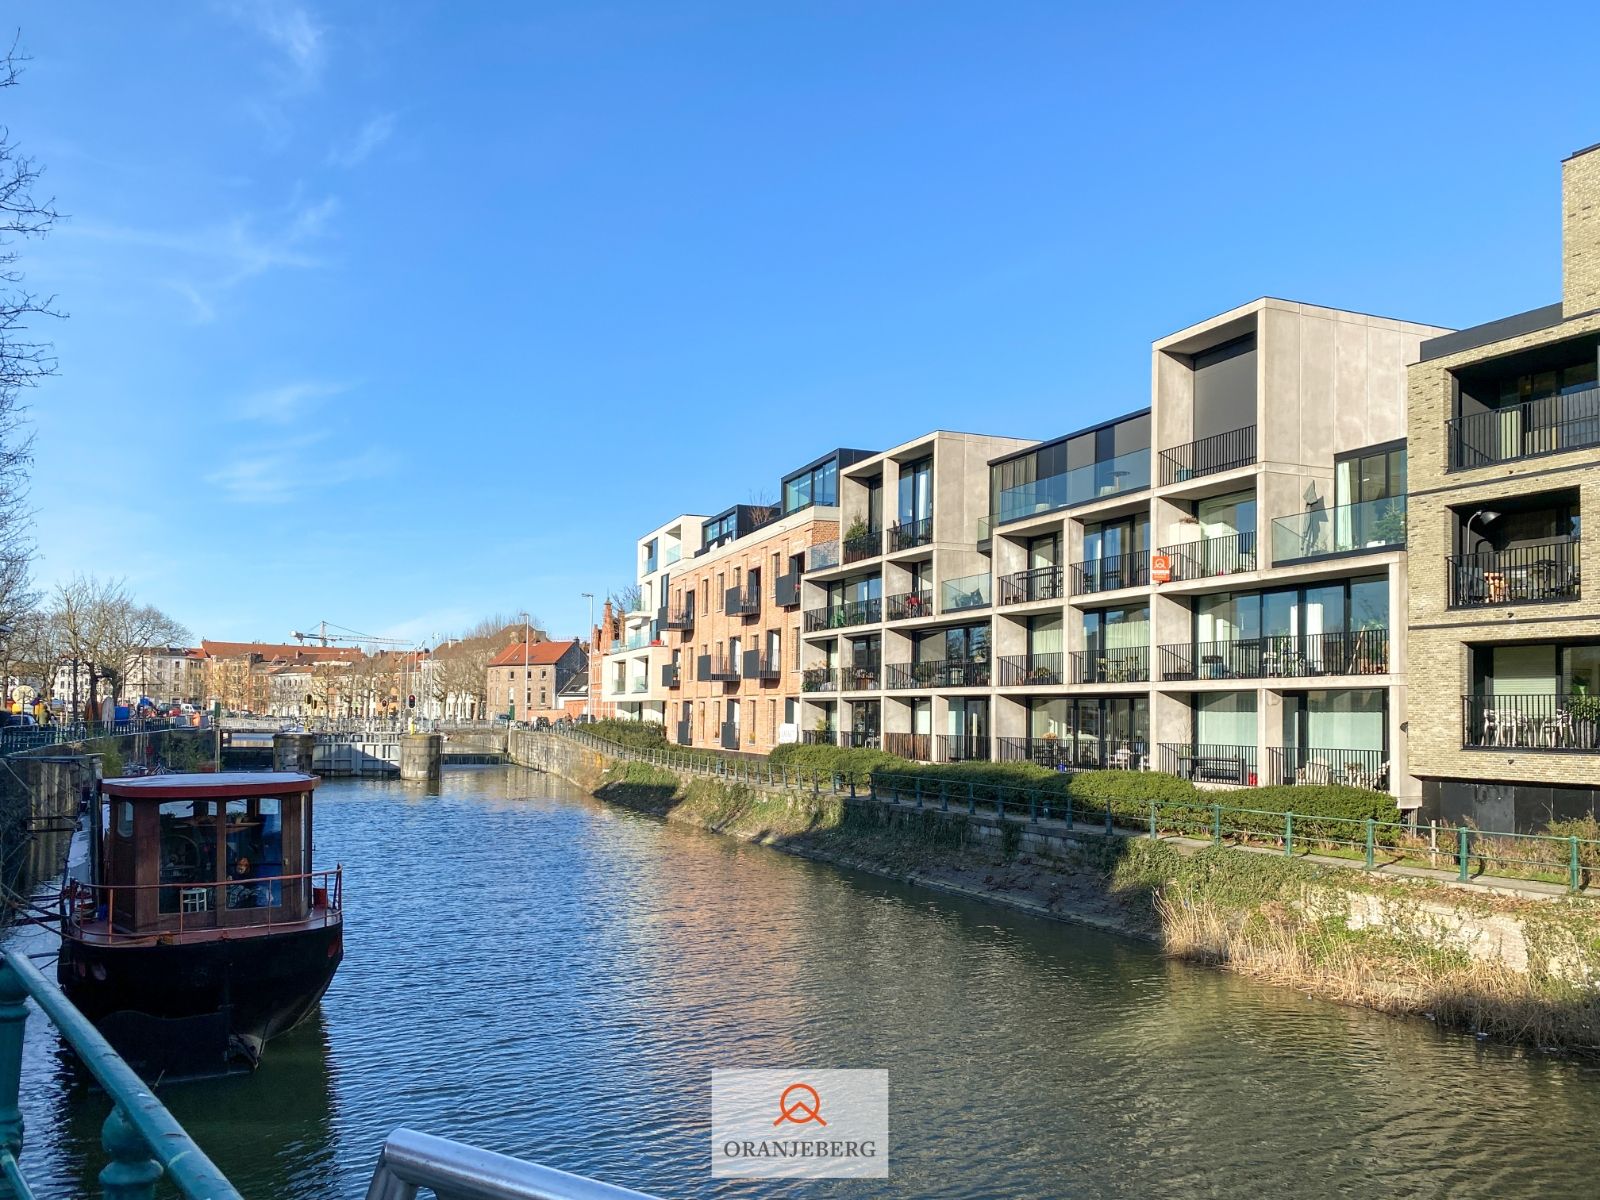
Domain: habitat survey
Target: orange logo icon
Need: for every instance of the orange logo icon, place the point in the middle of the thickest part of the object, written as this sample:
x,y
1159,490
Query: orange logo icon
x,y
799,1110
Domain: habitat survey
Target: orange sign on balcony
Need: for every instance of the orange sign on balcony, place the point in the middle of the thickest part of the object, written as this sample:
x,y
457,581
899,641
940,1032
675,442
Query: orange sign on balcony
x,y
1161,568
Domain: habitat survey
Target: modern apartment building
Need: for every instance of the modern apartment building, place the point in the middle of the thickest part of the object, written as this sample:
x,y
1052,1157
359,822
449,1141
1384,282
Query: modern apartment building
x,y
631,674
722,642
1209,586
1505,459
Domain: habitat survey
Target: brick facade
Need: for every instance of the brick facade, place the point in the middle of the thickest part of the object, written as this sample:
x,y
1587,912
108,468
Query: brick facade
x,y
1580,233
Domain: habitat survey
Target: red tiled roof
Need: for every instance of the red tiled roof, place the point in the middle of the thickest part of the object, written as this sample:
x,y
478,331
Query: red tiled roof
x,y
276,650
541,654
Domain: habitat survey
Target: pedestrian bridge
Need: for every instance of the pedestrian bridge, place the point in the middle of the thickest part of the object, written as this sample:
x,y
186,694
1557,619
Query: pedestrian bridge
x,y
365,750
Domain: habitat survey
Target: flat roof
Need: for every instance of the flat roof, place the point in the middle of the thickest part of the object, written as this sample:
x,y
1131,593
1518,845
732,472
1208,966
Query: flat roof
x,y
1026,450
208,785
1490,332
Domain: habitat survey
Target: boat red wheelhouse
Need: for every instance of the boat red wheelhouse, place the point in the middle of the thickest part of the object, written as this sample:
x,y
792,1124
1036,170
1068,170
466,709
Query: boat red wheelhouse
x,y
200,930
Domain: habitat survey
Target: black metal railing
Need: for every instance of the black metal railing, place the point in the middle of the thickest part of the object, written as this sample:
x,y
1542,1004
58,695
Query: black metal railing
x,y
1058,754
908,535
820,737
1036,670
669,675
1520,575
786,590
730,736
1125,664
843,616
819,679
1111,572
1209,455
917,746
758,665
1046,751
862,739
1546,721
1210,557
909,604
680,618
719,668
1545,426
956,747
1209,763
939,673
1317,765
1040,583
1279,656
866,544
863,676
742,602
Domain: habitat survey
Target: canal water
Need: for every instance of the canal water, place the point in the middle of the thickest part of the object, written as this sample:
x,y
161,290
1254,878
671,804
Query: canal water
x,y
537,973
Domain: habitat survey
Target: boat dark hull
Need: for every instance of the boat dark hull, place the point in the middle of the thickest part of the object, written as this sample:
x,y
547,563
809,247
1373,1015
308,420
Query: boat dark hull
x,y
200,1007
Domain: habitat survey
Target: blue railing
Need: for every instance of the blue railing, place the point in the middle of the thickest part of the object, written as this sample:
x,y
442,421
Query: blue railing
x,y
1093,481
143,1140
16,738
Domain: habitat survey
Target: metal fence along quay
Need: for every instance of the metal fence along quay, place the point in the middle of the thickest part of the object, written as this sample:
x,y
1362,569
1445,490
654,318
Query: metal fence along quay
x,y
1461,853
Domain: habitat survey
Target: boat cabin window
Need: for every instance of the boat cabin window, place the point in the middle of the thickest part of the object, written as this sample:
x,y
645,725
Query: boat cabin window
x,y
200,863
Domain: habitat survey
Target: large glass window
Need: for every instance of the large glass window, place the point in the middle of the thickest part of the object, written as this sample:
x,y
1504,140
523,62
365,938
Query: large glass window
x,y
1225,719
915,500
188,856
1335,720
819,485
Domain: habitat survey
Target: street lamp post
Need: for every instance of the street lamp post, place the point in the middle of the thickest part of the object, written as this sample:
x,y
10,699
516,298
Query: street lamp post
x,y
588,692
527,668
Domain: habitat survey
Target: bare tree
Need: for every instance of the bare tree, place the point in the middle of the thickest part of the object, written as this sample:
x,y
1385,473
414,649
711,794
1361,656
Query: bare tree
x,y
23,359
99,627
626,599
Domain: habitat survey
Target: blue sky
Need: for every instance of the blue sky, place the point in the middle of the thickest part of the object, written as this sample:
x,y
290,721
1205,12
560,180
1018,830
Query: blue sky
x,y
396,314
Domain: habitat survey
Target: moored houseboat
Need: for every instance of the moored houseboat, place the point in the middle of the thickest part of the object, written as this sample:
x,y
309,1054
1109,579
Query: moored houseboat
x,y
197,929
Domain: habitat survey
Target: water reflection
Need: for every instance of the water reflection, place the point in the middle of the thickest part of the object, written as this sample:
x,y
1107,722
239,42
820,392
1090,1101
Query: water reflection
x,y
546,976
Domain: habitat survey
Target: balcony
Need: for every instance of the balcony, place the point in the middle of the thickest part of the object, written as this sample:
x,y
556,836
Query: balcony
x,y
1546,426
1032,670
672,555
730,735
820,737
669,675
635,641
718,669
863,676
908,535
822,556
1317,766
680,618
1093,481
1209,455
1536,722
1127,664
1344,529
819,679
1209,763
862,739
745,602
1110,573
1024,587
638,686
908,605
915,746
955,747
939,673
761,666
845,616
1209,558
1057,754
1280,656
1535,574
786,590
862,544
968,592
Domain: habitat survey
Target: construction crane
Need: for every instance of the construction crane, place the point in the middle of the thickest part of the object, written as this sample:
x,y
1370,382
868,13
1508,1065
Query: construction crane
x,y
323,637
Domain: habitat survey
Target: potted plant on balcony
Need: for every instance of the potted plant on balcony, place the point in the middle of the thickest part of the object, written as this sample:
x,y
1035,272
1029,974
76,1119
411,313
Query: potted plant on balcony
x,y
857,531
1584,708
1390,527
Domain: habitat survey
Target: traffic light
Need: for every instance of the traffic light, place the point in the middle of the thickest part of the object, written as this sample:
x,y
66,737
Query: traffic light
x,y
411,701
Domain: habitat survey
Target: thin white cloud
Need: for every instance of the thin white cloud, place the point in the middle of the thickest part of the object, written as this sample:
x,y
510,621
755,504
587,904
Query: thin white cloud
x,y
203,263
295,37
368,139
287,403
293,473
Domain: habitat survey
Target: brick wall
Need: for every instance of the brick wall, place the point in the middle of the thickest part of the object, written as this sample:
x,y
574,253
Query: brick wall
x,y
1580,232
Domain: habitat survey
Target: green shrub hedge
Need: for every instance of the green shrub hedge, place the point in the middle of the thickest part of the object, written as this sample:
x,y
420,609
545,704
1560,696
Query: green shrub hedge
x,y
851,765
637,735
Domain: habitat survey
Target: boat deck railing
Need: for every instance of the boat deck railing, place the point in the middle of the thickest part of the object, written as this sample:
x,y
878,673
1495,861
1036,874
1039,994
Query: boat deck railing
x,y
146,1145
88,909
